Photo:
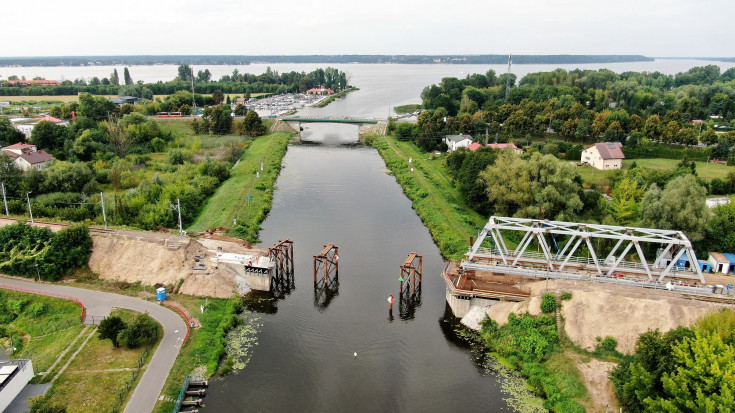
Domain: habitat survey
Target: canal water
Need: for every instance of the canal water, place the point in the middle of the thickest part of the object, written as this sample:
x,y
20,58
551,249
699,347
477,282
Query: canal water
x,y
304,358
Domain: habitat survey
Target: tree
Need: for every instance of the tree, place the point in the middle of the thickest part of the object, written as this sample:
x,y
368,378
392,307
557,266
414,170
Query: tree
x,y
473,190
67,177
96,108
252,125
704,379
218,97
652,128
8,134
48,135
219,119
680,206
110,328
114,78
117,135
126,76
624,205
720,232
143,330
541,187
185,73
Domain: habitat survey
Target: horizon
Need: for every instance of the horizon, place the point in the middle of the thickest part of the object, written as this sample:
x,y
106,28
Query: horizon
x,y
328,27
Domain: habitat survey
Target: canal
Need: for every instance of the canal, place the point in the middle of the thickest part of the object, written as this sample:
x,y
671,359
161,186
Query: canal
x,y
304,358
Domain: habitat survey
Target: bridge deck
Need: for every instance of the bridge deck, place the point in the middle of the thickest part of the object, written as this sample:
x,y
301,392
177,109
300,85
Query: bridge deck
x,y
329,119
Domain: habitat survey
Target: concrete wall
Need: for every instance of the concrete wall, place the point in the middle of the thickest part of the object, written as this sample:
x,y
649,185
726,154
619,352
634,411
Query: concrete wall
x,y
260,282
460,307
17,383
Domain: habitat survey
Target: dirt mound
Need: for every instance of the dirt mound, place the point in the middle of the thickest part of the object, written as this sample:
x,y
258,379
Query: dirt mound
x,y
599,310
153,258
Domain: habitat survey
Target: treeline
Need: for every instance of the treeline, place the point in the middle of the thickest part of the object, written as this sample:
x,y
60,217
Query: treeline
x,y
38,252
269,82
686,369
244,60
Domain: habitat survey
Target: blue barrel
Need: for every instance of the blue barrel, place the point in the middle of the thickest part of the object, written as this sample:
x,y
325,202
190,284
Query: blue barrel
x,y
161,294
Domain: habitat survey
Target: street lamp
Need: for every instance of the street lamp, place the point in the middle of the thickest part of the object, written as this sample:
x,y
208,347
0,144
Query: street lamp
x,y
28,198
38,273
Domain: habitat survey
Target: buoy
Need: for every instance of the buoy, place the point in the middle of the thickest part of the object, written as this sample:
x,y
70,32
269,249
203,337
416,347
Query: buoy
x,y
355,354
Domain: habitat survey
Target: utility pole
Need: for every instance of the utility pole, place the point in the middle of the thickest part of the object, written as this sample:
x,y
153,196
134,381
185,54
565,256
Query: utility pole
x,y
5,201
178,208
30,212
104,216
507,79
193,101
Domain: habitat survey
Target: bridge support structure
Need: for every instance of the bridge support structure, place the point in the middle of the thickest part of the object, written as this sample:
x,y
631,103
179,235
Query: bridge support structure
x,y
411,273
327,261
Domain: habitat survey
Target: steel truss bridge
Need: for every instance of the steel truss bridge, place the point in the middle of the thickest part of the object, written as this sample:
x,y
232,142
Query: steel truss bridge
x,y
671,246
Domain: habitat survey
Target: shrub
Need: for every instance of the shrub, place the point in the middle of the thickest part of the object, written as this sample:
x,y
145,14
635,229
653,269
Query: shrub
x,y
548,303
16,306
609,343
36,309
566,295
143,330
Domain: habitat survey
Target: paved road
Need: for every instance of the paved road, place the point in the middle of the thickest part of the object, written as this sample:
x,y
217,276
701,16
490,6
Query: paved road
x,y
99,303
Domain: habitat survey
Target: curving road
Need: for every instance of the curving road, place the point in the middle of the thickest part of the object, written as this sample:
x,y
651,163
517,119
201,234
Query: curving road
x,y
99,303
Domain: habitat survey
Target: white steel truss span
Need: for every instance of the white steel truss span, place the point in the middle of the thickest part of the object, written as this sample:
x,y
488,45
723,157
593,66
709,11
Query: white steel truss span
x,y
564,264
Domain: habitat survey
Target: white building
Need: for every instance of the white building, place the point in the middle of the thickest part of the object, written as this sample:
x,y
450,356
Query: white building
x,y
455,142
27,156
14,375
604,155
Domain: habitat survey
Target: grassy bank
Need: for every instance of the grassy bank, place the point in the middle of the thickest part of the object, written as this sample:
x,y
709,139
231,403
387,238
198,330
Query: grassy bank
x,y
206,346
334,97
434,198
245,196
403,109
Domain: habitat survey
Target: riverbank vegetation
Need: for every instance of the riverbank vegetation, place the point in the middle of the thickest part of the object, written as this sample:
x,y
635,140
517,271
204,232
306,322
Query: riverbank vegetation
x,y
404,109
436,201
335,96
207,345
243,201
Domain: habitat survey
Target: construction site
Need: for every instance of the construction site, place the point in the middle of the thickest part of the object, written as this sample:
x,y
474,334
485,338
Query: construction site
x,y
633,278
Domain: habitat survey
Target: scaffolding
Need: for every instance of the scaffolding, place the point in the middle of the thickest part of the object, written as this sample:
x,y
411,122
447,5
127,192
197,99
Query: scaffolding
x,y
411,273
673,248
328,261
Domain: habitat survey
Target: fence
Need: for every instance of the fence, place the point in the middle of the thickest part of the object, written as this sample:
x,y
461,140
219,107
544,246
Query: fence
x,y
38,331
189,323
46,293
122,395
182,394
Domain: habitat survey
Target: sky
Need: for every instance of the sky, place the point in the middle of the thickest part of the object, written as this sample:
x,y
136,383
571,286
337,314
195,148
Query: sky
x,y
654,28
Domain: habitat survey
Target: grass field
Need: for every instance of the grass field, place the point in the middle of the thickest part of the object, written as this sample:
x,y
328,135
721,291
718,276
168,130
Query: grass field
x,y
101,376
436,201
602,178
231,199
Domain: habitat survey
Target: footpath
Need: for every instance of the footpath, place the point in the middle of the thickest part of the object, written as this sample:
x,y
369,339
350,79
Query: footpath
x,y
99,304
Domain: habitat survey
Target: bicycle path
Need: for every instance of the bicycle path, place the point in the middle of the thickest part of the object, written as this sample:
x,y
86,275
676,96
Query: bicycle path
x,y
98,303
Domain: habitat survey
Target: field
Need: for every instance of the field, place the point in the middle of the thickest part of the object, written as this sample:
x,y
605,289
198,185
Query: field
x,y
704,170
102,377
230,201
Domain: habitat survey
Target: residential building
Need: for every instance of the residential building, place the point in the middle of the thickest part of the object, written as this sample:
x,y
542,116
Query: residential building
x,y
604,155
26,156
26,125
321,90
125,100
455,142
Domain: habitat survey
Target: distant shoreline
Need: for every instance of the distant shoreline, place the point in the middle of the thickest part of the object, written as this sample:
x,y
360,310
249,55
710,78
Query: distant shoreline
x,y
150,60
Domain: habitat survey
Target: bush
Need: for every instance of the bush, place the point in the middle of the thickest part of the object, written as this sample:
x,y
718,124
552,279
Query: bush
x,y
609,343
36,309
566,295
177,156
16,306
548,303
143,330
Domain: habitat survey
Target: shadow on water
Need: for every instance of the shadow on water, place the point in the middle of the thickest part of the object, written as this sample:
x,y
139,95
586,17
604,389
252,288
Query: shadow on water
x,y
266,302
457,333
324,293
408,304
